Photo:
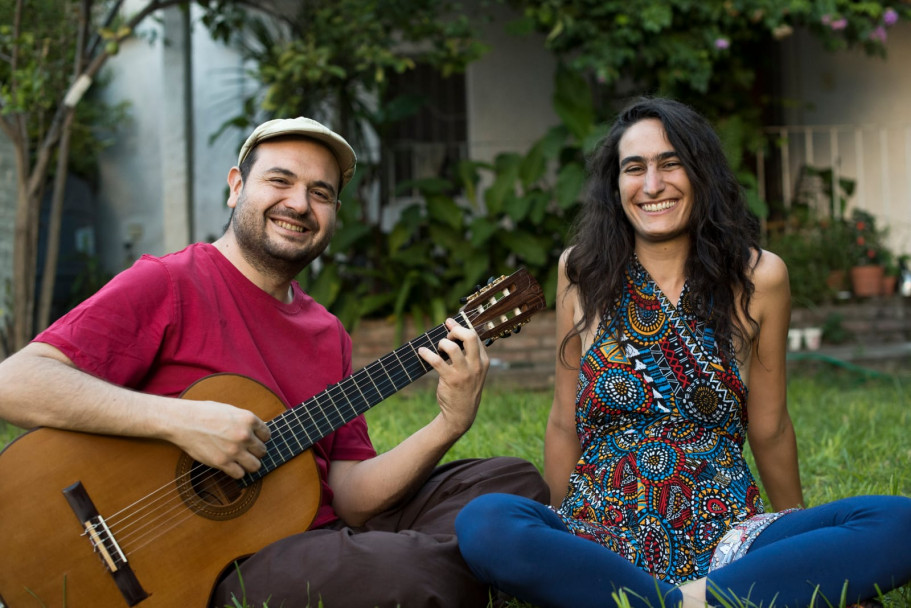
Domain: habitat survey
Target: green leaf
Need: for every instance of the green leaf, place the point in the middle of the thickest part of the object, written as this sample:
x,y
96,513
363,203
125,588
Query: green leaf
x,y
573,102
533,165
444,209
570,182
553,141
537,206
506,167
445,237
525,246
521,26
516,207
481,229
347,235
397,237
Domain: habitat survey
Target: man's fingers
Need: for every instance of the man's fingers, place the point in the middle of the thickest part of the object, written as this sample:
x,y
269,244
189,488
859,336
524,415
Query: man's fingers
x,y
261,430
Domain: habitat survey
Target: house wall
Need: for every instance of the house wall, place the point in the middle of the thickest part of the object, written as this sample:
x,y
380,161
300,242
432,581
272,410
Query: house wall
x,y
864,99
156,195
510,90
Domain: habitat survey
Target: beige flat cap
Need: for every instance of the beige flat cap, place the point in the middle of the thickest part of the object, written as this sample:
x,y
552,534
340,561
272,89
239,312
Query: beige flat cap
x,y
306,127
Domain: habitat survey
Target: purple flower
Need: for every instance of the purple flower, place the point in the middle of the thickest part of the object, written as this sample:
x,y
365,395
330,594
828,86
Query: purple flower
x,y
839,24
890,17
879,34
826,19
722,43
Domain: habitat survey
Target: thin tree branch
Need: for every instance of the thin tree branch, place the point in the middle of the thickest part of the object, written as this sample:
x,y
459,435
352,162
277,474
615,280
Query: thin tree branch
x,y
55,214
96,40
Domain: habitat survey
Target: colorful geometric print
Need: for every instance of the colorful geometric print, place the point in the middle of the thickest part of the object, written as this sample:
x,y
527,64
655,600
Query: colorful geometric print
x,y
661,418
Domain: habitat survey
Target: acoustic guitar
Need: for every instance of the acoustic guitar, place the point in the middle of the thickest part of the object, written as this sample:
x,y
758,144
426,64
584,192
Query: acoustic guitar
x,y
103,521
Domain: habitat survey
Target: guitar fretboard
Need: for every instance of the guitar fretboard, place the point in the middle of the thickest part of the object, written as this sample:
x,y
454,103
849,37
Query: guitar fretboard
x,y
297,429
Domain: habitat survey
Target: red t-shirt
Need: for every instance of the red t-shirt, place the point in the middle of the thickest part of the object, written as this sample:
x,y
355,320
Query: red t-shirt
x,y
167,322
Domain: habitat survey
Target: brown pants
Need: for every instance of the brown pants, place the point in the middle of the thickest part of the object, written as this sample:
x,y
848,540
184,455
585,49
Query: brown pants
x,y
406,557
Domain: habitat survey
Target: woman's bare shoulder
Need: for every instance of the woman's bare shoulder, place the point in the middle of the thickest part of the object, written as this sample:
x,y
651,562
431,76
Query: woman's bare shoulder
x,y
768,271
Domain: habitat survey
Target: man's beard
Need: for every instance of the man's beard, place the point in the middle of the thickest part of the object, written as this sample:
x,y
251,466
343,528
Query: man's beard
x,y
283,261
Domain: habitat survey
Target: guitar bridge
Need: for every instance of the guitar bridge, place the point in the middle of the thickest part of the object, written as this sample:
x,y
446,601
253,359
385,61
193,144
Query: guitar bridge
x,y
104,544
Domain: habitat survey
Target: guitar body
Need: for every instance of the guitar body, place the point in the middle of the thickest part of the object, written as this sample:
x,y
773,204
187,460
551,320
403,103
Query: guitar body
x,y
176,543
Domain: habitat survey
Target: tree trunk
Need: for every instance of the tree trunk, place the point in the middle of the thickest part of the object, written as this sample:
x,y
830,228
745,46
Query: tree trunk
x,y
55,213
23,253
55,216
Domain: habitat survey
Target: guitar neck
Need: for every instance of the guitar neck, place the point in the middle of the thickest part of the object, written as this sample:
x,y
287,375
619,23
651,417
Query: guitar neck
x,y
297,429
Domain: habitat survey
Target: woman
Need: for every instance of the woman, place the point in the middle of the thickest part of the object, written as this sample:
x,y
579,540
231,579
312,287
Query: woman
x,y
673,324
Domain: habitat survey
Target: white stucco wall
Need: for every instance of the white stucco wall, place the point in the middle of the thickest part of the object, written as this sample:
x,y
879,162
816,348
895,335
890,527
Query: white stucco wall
x,y
510,90
143,176
866,103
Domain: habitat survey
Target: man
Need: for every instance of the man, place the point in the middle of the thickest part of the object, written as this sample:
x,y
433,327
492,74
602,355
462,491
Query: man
x,y
383,533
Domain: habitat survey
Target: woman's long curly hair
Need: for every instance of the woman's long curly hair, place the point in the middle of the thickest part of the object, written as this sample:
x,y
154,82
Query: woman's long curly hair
x,y
723,233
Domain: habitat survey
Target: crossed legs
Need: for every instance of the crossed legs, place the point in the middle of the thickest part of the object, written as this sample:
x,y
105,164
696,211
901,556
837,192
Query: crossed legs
x,y
855,546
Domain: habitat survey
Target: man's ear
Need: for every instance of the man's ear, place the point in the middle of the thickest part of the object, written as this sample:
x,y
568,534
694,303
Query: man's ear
x,y
235,186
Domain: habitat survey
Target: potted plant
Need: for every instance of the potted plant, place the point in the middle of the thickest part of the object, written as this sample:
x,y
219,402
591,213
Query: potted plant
x,y
891,273
799,248
834,239
867,249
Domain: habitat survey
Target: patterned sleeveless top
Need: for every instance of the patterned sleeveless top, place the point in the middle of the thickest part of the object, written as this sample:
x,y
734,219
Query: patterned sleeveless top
x,y
661,417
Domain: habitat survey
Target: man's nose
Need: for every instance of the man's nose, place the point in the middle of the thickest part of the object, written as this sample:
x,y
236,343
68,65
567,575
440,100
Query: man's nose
x,y
299,199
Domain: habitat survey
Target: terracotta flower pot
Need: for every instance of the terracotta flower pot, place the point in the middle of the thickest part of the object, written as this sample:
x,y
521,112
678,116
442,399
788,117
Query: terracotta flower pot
x,y
888,285
836,280
867,281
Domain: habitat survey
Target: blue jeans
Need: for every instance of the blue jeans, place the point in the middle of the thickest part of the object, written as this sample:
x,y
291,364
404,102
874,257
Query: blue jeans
x,y
856,546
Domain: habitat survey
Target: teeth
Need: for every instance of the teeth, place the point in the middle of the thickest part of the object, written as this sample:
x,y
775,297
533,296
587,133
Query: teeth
x,y
288,226
658,206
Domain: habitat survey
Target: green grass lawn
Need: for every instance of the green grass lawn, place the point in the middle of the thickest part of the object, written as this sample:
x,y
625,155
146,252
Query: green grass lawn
x,y
853,432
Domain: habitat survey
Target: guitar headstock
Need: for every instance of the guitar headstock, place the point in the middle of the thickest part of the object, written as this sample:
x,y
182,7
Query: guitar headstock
x,y
503,305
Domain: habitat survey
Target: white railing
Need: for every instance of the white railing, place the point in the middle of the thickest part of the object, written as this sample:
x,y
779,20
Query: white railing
x,y
877,158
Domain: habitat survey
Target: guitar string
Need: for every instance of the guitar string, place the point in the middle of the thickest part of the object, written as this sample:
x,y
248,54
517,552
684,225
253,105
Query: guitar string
x,y
388,385
177,502
155,513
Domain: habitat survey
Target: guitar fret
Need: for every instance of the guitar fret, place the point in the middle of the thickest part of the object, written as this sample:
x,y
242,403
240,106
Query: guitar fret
x,y
321,432
395,353
423,366
366,401
335,405
373,393
290,429
332,401
394,386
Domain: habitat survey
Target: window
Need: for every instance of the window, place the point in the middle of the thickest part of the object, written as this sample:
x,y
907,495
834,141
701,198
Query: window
x,y
431,141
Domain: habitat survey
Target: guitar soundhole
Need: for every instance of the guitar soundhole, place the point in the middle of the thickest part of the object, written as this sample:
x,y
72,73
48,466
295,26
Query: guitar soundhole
x,y
210,493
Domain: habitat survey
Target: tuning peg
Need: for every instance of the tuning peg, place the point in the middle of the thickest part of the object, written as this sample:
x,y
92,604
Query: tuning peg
x,y
517,329
488,341
463,300
477,288
490,280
